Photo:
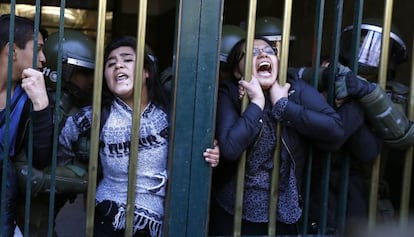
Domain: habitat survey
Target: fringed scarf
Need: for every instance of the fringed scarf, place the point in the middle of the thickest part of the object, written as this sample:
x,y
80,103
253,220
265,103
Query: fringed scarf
x,y
141,220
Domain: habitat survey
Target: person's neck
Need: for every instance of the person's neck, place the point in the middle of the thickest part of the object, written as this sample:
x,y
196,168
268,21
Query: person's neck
x,y
3,80
144,103
3,92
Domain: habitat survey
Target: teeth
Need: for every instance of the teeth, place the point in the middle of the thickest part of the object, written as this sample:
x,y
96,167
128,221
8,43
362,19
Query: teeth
x,y
120,76
264,64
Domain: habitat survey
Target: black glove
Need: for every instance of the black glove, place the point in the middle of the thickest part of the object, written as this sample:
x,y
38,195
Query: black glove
x,y
347,84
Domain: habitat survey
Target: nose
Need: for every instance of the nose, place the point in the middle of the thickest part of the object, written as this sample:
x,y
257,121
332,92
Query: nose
x,y
119,64
258,51
261,51
42,58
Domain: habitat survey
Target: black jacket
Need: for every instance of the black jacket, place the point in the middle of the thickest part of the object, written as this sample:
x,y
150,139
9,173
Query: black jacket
x,y
42,134
306,119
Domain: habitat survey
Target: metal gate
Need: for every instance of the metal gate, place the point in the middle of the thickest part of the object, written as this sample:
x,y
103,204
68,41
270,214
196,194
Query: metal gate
x,y
195,73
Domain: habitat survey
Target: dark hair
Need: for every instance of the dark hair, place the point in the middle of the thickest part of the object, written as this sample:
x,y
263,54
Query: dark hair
x,y
237,52
23,30
156,93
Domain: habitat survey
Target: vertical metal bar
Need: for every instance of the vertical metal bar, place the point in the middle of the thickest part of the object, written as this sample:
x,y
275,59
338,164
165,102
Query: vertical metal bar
x,y
385,43
30,128
136,117
187,23
325,178
326,163
287,15
57,115
276,155
204,115
7,115
30,141
238,206
343,194
306,193
345,165
382,78
183,152
335,46
320,9
408,163
356,34
96,119
323,202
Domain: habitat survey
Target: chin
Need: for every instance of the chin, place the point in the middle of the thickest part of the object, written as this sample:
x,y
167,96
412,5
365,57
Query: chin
x,y
266,83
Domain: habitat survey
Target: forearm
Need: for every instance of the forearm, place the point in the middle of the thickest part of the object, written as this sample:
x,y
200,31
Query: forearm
x,y
236,133
42,137
323,125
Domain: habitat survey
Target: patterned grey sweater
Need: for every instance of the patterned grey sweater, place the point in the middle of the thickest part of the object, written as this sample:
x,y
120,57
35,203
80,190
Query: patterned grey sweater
x,y
114,154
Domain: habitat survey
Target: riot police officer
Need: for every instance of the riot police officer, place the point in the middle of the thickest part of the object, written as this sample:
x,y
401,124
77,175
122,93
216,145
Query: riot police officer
x,y
369,54
385,109
78,62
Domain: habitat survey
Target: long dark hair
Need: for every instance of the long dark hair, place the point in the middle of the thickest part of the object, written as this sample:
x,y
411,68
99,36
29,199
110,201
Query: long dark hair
x,y
156,93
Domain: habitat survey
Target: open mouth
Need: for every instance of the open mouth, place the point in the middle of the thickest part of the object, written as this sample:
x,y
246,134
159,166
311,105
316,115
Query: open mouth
x,y
121,77
264,68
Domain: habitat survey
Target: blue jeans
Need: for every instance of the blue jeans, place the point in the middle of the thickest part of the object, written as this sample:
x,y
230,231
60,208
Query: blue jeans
x,y
10,200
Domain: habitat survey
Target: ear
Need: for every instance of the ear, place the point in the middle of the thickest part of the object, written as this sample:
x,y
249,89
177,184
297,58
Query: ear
x,y
146,74
237,74
14,51
5,51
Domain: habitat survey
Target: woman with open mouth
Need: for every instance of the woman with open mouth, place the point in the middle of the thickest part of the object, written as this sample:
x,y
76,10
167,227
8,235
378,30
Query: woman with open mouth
x,y
306,119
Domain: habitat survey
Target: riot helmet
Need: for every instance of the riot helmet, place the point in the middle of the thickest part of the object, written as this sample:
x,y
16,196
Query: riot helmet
x,y
271,28
230,35
369,49
78,62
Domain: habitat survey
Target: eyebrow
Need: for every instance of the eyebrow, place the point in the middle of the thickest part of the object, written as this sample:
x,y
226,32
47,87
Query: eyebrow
x,y
122,55
126,54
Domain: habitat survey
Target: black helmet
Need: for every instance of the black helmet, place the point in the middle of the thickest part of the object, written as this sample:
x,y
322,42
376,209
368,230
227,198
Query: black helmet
x,y
78,53
271,28
369,52
230,35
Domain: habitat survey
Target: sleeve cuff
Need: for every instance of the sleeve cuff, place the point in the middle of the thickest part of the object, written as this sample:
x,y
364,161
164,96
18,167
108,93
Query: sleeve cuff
x,y
279,107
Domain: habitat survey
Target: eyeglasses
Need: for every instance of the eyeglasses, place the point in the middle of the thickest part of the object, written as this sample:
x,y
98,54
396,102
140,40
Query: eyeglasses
x,y
257,51
267,50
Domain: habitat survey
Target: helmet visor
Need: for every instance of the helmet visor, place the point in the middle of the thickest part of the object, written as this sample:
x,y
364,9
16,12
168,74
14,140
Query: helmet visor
x,y
370,49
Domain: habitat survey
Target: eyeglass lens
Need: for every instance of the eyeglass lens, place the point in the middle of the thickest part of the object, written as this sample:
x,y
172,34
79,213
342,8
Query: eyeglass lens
x,y
267,50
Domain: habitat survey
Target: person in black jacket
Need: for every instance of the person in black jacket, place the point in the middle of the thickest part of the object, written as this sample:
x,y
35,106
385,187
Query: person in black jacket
x,y
28,100
361,145
383,116
306,118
